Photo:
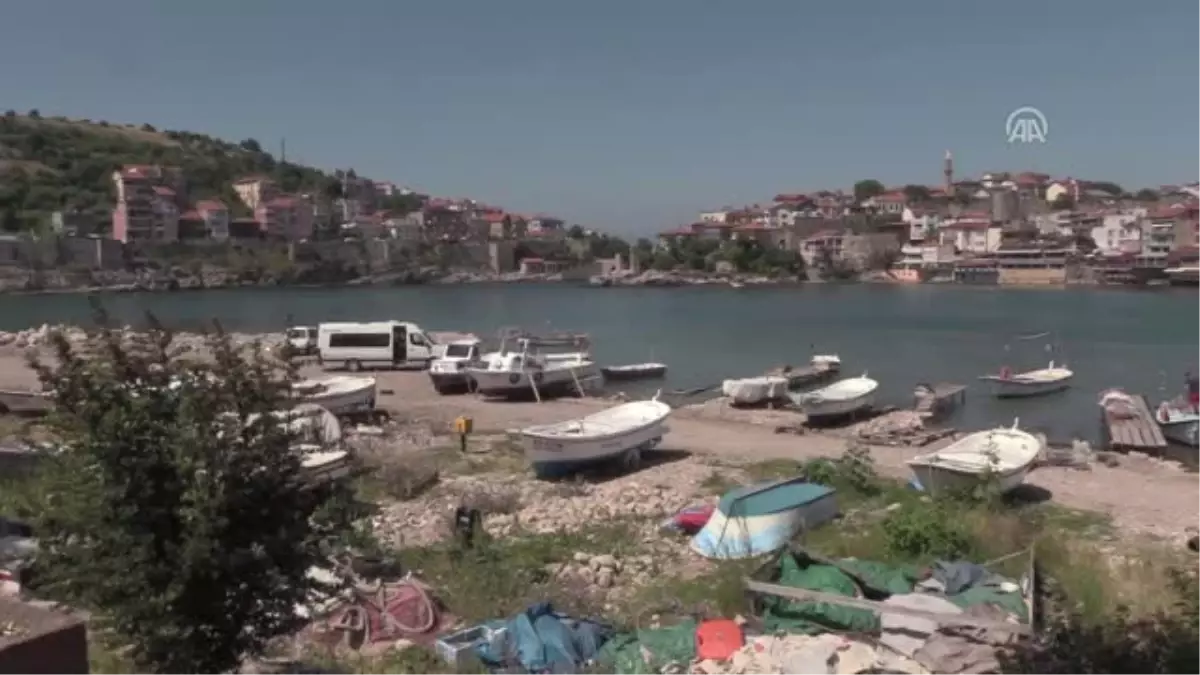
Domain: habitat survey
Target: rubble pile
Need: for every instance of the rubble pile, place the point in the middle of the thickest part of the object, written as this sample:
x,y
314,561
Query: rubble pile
x,y
515,504
605,570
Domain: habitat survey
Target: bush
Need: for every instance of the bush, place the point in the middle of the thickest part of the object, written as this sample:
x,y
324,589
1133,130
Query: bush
x,y
176,508
926,530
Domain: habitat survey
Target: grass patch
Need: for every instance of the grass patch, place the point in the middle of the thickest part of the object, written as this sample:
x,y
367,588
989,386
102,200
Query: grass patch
x,y
716,592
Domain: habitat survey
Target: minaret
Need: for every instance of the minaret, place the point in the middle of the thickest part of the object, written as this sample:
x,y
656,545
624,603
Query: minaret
x,y
948,174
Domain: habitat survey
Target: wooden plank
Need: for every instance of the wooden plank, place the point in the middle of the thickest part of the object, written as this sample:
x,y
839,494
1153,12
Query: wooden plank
x,y
881,608
1140,432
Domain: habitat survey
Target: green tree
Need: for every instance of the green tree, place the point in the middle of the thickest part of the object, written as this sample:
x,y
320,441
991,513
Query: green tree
x,y
865,189
1111,188
1146,195
250,145
916,193
176,507
575,232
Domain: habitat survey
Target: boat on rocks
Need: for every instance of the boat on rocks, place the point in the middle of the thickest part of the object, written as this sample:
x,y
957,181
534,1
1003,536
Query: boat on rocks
x,y
620,433
1006,454
341,395
842,398
755,390
634,371
527,373
758,519
1053,378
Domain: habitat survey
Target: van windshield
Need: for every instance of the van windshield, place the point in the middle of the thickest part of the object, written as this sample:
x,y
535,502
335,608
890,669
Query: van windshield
x,y
297,333
460,351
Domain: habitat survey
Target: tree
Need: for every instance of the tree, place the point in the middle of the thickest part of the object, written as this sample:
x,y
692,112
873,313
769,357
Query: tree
x,y
916,193
865,189
1146,195
176,507
250,145
1105,186
34,114
1062,202
575,232
149,128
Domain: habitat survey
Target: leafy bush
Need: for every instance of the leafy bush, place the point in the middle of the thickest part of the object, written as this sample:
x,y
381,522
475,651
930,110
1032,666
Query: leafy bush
x,y
926,530
176,509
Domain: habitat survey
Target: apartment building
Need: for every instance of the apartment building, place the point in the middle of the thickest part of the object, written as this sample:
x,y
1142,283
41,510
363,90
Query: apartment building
x,y
285,217
146,209
254,190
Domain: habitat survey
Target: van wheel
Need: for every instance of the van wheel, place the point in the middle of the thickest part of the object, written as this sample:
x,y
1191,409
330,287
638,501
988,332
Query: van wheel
x,y
353,366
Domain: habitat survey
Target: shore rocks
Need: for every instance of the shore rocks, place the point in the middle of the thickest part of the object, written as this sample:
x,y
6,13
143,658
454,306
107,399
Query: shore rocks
x,y
32,338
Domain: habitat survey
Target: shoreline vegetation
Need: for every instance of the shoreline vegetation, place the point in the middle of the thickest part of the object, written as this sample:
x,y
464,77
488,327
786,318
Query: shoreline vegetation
x,y
1118,590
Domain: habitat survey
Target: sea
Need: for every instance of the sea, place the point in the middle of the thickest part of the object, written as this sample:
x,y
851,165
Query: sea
x,y
1142,341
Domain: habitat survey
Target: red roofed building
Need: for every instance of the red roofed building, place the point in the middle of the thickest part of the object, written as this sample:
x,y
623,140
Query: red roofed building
x,y
145,209
285,217
216,218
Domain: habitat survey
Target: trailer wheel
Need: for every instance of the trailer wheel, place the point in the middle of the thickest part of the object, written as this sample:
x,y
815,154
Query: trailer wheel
x,y
632,459
353,366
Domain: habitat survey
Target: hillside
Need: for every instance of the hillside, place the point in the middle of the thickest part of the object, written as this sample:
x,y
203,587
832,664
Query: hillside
x,y
49,164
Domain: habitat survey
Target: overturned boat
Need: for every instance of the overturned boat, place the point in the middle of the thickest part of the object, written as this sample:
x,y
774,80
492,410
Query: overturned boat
x,y
844,397
756,519
755,390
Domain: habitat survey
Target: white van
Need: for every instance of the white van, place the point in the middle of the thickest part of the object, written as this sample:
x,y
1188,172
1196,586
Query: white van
x,y
387,344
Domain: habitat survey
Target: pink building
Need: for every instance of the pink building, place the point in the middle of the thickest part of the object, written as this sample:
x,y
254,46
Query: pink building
x,y
146,209
215,215
285,217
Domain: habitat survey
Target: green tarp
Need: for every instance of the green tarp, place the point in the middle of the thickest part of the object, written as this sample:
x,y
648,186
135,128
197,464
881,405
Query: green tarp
x,y
797,616
629,653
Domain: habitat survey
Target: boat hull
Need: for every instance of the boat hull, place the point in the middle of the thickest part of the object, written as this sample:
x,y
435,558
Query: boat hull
x,y
1184,432
936,479
623,374
556,457
832,409
1002,388
738,536
357,402
518,385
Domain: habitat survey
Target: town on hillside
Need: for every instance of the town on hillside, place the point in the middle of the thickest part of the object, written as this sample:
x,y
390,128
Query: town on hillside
x,y
1022,228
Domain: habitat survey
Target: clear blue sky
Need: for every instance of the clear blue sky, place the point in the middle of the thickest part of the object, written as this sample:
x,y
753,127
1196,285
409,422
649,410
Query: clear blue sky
x,y
631,115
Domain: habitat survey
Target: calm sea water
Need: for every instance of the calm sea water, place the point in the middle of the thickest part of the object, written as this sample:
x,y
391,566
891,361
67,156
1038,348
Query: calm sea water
x,y
900,335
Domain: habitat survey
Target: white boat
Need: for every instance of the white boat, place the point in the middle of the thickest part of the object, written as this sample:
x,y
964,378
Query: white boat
x,y
1179,422
634,371
1038,382
525,375
758,519
1005,454
755,390
621,432
341,395
448,371
843,397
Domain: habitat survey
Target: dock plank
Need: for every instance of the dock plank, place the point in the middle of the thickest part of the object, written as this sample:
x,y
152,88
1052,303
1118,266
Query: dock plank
x,y
1137,433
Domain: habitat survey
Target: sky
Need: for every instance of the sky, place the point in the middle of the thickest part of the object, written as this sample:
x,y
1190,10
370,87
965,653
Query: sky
x,y
632,115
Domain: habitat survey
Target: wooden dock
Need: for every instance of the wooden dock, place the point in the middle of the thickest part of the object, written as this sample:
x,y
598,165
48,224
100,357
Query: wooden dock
x,y
1138,432
933,400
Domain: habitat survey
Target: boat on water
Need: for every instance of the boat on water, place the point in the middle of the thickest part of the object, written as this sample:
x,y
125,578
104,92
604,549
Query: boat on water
x,y
1006,454
527,373
1048,380
757,519
341,395
844,397
634,371
1179,419
755,390
620,433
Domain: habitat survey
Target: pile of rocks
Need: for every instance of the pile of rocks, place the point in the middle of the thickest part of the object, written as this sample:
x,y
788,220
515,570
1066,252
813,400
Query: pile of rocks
x,y
517,504
896,423
605,570
32,338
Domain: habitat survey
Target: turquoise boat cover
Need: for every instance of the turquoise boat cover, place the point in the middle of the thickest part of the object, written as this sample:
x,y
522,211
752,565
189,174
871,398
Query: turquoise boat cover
x,y
771,497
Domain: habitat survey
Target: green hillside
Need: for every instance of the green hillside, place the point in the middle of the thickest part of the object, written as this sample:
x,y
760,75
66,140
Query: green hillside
x,y
55,163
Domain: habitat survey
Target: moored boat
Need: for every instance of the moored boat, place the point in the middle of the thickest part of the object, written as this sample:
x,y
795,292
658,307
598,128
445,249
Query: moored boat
x,y
844,397
634,371
1005,455
1179,422
1052,378
618,433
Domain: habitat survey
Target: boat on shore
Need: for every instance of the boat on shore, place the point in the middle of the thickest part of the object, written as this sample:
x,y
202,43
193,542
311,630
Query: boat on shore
x,y
1179,422
820,367
758,519
528,373
634,371
448,372
1006,454
620,433
844,397
1053,378
755,390
341,395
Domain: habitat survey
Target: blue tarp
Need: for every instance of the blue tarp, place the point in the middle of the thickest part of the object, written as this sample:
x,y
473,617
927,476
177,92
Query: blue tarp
x,y
544,641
